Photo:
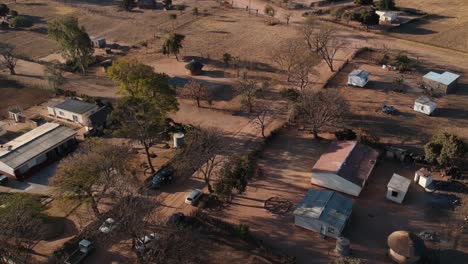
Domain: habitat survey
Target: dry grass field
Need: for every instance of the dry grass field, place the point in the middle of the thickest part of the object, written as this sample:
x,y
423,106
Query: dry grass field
x,y
446,26
409,128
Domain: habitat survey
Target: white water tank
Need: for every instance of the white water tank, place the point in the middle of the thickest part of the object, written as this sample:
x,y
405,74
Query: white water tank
x,y
178,139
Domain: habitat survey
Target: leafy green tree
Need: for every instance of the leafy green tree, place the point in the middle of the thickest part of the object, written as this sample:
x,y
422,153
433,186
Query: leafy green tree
x,y
173,45
4,9
386,5
445,149
368,18
96,169
271,12
73,40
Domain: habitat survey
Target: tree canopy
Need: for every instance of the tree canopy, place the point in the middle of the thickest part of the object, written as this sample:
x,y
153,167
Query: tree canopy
x,y
73,40
386,5
445,149
173,44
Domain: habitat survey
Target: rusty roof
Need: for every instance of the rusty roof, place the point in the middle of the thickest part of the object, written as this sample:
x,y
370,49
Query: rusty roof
x,y
349,160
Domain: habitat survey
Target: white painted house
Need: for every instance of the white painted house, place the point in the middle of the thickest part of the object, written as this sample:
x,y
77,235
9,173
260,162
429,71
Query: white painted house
x,y
345,167
424,105
358,78
387,17
423,177
73,110
323,211
35,147
397,188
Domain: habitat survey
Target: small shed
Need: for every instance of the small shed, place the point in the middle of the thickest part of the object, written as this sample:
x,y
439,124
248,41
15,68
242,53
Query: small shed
x,y
423,177
98,42
323,211
445,82
405,247
425,105
397,188
195,67
387,17
358,78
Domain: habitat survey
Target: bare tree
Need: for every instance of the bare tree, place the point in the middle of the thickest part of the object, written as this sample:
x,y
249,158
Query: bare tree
x,y
288,55
8,59
96,170
263,112
202,152
302,70
21,226
323,41
196,91
319,109
248,90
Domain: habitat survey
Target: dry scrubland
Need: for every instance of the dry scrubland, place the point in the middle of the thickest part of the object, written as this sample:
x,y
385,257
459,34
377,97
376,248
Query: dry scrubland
x,y
445,26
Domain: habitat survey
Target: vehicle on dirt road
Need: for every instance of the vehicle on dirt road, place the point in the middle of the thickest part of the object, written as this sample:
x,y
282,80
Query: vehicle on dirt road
x,y
163,177
85,247
108,226
143,241
194,196
176,218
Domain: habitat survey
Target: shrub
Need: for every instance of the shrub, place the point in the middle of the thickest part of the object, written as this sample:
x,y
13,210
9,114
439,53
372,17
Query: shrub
x,y
368,17
345,134
13,13
386,5
4,10
243,231
290,94
20,22
401,61
179,7
195,11
364,2
338,12
445,149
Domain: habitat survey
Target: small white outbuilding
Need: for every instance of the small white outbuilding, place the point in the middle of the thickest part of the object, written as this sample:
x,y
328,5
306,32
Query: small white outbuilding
x,y
358,78
397,188
424,105
387,17
423,177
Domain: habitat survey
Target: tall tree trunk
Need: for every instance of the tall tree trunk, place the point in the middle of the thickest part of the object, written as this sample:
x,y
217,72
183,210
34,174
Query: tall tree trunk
x,y
148,157
315,132
95,208
12,71
263,131
198,102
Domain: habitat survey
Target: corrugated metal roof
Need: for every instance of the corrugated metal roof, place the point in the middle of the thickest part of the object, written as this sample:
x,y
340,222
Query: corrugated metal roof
x,y
326,206
399,183
360,73
75,106
33,143
444,78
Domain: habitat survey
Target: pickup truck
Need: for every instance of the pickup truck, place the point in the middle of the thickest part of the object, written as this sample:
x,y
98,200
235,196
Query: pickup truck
x,y
85,247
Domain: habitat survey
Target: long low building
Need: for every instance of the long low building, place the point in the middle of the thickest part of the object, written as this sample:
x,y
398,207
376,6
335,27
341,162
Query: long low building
x,y
46,142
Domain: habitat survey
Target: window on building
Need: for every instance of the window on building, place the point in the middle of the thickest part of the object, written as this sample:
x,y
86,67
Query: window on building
x,y
61,113
331,230
394,194
75,118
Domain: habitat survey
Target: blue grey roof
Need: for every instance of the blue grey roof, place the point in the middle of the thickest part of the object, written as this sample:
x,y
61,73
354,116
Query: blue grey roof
x,y
33,143
75,106
327,206
444,78
360,73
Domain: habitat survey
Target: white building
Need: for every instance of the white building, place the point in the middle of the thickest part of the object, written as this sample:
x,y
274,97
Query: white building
x,y
387,17
358,78
424,105
423,177
323,211
397,188
73,110
445,82
46,142
345,167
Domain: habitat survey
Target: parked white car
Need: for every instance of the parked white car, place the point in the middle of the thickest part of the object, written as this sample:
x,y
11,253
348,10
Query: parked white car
x,y
108,226
194,196
143,241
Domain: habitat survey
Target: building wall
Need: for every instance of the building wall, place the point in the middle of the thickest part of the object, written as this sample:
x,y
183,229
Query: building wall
x,y
6,169
435,85
357,81
316,226
425,181
335,182
398,199
82,118
425,109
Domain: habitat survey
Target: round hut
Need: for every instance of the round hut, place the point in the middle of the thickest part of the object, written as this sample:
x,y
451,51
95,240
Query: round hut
x,y
195,67
405,247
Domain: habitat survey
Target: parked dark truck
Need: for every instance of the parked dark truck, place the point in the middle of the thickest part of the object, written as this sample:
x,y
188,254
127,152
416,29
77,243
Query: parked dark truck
x,y
85,247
